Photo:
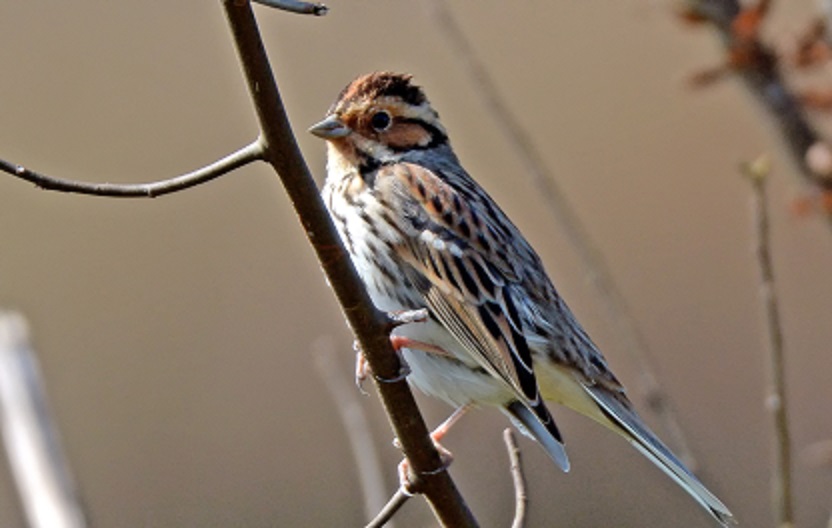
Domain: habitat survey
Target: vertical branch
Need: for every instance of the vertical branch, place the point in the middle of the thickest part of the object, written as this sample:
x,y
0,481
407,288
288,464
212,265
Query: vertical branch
x,y
46,488
776,384
370,326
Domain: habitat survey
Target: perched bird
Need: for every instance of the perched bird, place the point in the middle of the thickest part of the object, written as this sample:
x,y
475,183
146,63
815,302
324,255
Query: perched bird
x,y
423,234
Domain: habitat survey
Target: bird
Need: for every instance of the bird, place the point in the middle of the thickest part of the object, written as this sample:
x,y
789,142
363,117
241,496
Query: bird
x,y
424,235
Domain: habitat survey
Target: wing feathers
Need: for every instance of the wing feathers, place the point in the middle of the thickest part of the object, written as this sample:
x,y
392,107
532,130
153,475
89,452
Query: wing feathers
x,y
546,434
469,290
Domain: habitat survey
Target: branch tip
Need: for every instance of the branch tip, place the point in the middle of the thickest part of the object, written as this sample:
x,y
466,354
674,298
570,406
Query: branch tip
x,y
251,152
393,505
758,169
296,6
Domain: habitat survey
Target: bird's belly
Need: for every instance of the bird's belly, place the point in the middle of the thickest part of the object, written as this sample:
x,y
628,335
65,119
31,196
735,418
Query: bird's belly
x,y
455,378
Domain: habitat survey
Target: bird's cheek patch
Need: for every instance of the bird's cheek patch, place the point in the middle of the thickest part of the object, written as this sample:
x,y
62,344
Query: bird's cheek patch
x,y
407,135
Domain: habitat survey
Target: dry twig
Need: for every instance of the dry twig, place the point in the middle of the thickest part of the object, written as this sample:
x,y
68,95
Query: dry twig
x,y
296,6
521,499
393,505
251,152
783,505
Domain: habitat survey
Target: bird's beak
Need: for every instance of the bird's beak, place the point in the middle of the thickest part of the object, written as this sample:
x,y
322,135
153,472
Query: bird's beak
x,y
330,128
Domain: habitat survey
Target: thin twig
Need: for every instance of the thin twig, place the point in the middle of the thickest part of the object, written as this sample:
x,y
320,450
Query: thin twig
x,y
47,490
296,6
367,323
597,270
389,510
521,498
758,173
356,425
251,152
819,455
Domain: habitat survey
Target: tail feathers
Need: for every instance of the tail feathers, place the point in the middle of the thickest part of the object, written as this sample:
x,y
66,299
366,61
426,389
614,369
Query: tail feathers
x,y
636,432
540,425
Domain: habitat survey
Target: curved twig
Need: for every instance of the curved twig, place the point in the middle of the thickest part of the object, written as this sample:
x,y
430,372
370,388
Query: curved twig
x,y
368,324
521,498
251,152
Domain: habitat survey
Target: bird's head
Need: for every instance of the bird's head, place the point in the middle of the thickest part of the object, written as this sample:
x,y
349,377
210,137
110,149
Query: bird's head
x,y
378,118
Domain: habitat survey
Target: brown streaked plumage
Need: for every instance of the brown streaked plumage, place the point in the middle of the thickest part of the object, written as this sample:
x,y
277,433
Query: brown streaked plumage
x,y
423,234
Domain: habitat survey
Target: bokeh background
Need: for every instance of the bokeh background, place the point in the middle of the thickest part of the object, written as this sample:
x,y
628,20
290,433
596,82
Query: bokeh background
x,y
177,335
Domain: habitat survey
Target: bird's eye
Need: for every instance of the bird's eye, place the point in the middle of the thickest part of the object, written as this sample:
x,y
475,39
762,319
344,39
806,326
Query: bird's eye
x,y
380,121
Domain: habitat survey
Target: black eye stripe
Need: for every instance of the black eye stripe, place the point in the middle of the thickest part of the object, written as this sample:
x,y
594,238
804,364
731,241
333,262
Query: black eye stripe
x,y
437,137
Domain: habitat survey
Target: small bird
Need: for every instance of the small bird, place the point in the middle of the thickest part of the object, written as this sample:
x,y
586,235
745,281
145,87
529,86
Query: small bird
x,y
423,234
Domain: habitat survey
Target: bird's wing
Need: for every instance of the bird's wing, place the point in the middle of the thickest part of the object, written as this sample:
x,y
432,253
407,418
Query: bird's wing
x,y
459,260
460,255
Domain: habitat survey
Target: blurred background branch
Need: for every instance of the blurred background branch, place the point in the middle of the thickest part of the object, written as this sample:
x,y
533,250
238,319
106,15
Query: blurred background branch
x,y
758,65
775,392
41,472
365,453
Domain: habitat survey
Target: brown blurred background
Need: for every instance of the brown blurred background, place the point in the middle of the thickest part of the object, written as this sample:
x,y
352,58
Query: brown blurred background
x,y
176,334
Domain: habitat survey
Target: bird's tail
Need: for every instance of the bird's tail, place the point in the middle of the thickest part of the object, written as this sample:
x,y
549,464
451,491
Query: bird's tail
x,y
630,426
540,425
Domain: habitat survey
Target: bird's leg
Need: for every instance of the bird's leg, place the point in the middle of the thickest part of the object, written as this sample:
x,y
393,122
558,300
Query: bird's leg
x,y
362,368
396,318
445,456
400,342
439,433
